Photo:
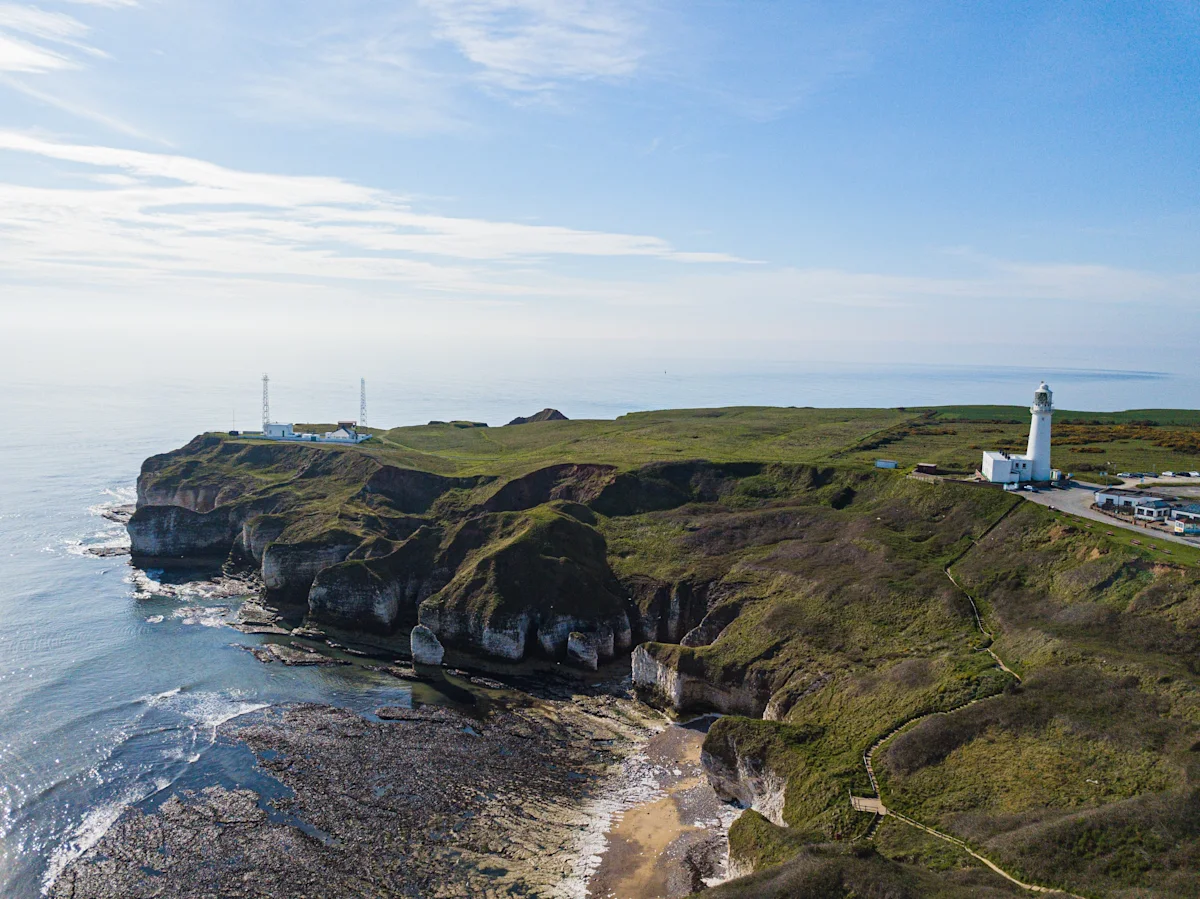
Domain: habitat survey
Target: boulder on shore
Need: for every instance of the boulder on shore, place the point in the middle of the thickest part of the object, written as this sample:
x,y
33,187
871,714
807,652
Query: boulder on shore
x,y
582,650
426,647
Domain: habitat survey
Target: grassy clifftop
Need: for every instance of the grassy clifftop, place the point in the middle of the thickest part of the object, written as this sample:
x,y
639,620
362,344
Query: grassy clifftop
x,y
953,436
788,578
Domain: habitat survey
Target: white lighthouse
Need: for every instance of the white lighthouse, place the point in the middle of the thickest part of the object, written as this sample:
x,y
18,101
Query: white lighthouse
x,y
1003,468
1038,452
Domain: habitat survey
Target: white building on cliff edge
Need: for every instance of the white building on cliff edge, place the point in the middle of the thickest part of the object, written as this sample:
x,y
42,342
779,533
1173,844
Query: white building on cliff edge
x,y
1005,468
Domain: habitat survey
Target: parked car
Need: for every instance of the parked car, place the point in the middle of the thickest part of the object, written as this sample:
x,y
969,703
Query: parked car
x,y
1194,474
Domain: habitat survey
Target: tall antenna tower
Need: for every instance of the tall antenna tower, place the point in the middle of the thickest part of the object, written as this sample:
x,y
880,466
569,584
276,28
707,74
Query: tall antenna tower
x,y
362,402
266,402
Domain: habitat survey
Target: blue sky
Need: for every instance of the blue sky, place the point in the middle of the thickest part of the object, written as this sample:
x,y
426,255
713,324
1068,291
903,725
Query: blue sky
x,y
1000,182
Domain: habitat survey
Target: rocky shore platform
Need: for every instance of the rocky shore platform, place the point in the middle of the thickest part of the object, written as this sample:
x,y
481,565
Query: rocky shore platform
x,y
423,802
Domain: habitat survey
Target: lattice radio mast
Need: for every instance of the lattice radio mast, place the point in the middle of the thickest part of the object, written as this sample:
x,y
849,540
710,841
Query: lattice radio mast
x,y
266,402
362,402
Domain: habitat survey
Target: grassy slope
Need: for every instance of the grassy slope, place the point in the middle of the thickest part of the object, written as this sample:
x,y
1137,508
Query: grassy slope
x,y
1085,776
719,435
846,618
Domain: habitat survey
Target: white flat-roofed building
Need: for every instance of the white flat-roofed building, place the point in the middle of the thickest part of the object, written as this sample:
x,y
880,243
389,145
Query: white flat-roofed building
x,y
1116,498
1002,468
1190,512
1152,510
277,431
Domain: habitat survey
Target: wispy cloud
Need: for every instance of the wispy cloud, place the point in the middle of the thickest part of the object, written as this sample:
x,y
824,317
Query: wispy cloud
x,y
535,45
132,216
33,40
377,73
83,111
418,68
153,225
21,56
36,42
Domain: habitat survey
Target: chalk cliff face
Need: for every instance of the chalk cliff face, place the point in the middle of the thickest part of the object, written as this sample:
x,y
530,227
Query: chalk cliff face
x,y
504,568
172,532
289,569
260,532
660,678
666,612
506,572
525,582
743,777
380,592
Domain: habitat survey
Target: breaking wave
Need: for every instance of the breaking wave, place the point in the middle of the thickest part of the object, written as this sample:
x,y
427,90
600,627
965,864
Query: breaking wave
x,y
94,826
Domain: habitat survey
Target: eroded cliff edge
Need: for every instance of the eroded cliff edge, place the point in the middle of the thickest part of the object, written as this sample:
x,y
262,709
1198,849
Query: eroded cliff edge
x,y
810,603
506,567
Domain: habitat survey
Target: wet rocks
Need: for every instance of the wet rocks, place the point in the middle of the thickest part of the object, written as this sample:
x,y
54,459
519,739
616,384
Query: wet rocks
x,y
107,552
495,810
119,514
255,618
488,683
403,672
259,652
426,648
299,655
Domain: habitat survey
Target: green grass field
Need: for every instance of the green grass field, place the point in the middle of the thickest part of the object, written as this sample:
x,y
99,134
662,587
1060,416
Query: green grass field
x,y
953,437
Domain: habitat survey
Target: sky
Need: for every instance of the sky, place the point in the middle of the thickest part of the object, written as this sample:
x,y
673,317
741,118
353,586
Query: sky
x,y
993,183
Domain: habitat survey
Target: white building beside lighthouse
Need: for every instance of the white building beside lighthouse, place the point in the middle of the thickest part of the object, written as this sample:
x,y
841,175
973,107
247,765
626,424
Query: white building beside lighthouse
x,y
1005,468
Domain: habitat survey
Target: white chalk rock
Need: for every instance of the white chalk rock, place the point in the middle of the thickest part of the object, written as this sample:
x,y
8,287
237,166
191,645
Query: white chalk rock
x,y
426,647
582,651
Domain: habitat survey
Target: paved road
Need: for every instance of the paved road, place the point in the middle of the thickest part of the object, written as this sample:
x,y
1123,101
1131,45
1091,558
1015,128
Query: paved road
x,y
1078,500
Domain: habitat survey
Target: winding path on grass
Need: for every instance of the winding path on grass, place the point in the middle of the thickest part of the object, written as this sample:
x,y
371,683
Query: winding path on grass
x,y
876,806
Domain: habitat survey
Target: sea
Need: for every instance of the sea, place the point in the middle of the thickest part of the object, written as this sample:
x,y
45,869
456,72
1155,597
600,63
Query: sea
x,y
114,681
